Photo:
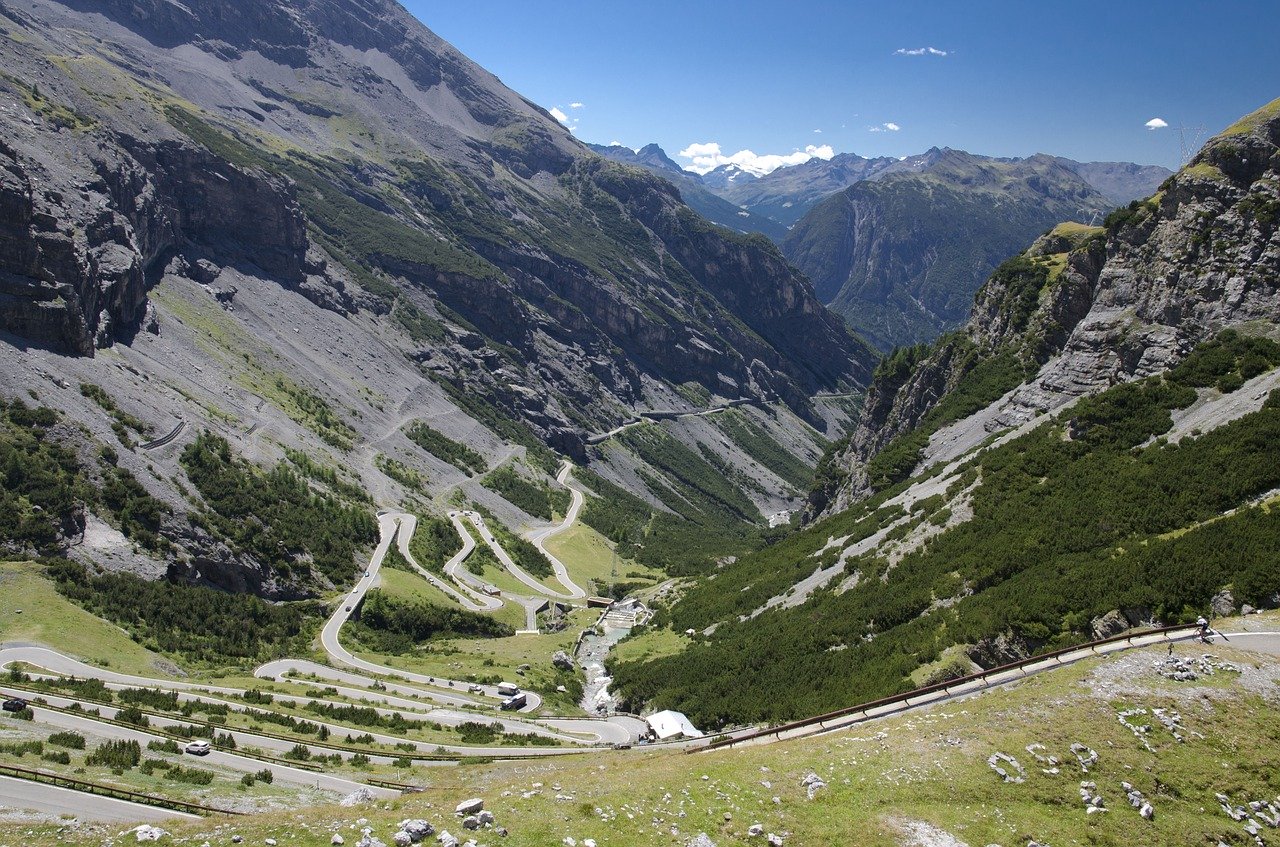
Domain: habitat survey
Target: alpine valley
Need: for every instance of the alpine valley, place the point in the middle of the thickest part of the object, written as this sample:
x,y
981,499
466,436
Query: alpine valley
x,y
379,460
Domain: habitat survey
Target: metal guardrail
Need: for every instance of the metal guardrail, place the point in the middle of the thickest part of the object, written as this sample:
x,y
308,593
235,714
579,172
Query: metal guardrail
x,y
336,747
905,698
165,439
111,791
165,732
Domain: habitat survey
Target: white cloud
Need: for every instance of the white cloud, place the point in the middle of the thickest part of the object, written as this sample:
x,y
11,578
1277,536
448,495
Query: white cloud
x,y
919,51
817,132
576,105
615,143
559,115
707,156
1156,123
885,127
892,127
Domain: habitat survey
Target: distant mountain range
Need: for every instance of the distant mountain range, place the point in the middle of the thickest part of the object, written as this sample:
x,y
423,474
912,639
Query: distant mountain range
x,y
900,246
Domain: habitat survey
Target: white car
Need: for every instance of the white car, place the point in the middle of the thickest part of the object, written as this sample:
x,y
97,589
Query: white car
x,y
198,748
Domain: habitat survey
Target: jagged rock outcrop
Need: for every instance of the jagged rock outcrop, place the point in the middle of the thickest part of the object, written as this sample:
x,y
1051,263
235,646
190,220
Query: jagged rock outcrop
x,y
1200,256
91,218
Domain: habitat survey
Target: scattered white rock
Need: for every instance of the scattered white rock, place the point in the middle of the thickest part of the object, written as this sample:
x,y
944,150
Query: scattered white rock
x,y
755,830
773,840
417,828
1085,755
469,807
993,762
148,833
1093,802
402,839
337,840
813,784
357,797
700,840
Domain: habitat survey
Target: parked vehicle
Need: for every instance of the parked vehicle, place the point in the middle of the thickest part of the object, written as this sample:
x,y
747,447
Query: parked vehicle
x,y
508,689
199,747
517,701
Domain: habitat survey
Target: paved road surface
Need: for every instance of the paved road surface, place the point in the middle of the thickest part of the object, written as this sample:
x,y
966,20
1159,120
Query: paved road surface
x,y
540,536
50,799
85,724
482,603
477,520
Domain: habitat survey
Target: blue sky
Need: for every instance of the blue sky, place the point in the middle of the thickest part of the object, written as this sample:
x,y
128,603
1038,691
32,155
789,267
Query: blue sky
x,y
1017,77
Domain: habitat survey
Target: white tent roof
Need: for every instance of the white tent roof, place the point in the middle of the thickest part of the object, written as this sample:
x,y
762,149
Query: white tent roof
x,y
671,724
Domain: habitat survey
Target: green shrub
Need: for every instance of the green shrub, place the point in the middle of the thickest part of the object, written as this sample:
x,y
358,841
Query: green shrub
x,y
117,755
446,449
71,740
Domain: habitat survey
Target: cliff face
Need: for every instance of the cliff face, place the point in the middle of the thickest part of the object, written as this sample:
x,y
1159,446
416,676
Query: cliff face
x,y
327,143
1201,255
901,257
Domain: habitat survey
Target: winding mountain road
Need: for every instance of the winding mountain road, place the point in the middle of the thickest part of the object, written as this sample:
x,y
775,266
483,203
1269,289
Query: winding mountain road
x,y
539,537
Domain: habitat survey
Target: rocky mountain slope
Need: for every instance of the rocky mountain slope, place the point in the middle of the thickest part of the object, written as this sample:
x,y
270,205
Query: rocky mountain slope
x,y
901,256
787,194
1093,307
308,227
1119,182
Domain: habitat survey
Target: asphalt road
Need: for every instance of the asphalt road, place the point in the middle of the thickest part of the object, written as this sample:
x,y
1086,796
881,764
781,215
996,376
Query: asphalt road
x,y
52,800
85,724
539,536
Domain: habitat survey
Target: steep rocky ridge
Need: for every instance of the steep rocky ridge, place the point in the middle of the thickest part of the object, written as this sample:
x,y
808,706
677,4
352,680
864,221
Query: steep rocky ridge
x,y
1199,256
902,256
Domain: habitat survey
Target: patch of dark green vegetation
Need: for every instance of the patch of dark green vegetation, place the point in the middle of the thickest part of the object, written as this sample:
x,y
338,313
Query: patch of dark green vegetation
x,y
41,500
195,623
317,415
507,427
410,478
534,497
434,542
121,421
1089,513
680,544
46,488
274,515
759,445
528,557
117,755
446,449
690,481
397,627
327,476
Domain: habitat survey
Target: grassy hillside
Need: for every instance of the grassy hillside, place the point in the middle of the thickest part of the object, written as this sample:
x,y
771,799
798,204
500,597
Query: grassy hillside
x,y
1088,513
